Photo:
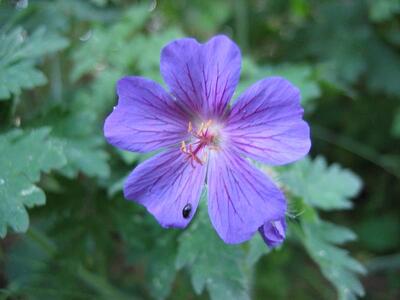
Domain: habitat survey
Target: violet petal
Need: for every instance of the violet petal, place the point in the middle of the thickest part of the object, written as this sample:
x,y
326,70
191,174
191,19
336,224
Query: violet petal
x,y
146,117
274,232
240,197
266,123
203,77
165,184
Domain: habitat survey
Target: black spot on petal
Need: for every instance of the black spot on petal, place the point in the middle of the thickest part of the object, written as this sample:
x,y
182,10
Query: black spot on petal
x,y
187,210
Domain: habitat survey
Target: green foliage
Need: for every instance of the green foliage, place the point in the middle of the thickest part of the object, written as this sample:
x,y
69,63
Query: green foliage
x,y
31,266
345,59
211,263
162,271
122,48
25,263
19,53
256,250
106,46
321,240
24,155
382,10
210,14
321,186
82,147
326,188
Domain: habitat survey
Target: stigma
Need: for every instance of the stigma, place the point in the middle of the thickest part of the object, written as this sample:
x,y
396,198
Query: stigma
x,y
202,139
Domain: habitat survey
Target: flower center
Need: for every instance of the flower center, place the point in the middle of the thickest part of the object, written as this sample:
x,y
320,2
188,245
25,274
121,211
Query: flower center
x,y
202,139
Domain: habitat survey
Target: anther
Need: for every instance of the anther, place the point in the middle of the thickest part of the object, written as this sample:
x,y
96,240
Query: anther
x,y
183,147
200,130
203,138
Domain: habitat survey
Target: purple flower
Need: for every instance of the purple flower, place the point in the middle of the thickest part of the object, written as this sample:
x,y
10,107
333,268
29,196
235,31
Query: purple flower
x,y
274,232
205,140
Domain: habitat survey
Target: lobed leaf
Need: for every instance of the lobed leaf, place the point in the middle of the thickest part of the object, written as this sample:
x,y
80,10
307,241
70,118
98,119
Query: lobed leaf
x,y
320,240
322,186
110,46
75,132
22,75
19,55
257,248
211,263
23,156
161,269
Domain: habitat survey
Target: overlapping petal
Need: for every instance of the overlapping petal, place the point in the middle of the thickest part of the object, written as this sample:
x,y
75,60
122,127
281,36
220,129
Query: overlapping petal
x,y
166,184
274,232
202,76
266,123
241,198
146,117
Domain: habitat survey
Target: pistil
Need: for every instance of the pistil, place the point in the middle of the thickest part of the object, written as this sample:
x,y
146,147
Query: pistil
x,y
203,138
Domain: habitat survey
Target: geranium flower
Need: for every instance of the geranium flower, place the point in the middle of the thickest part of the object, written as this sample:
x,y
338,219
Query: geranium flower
x,y
205,140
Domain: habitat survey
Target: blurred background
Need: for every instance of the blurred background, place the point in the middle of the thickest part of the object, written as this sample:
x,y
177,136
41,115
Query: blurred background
x,y
67,232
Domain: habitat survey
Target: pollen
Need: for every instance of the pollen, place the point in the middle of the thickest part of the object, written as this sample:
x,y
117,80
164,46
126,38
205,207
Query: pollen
x,y
202,139
183,147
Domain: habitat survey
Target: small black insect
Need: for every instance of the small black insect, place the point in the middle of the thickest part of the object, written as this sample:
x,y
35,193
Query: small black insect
x,y
187,210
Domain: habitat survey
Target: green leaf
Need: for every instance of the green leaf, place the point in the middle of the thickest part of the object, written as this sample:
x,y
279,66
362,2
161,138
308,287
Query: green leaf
x,y
41,42
82,146
320,240
152,246
19,55
85,155
257,248
145,50
322,186
382,10
332,233
210,14
211,263
110,46
162,269
342,62
21,75
23,156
